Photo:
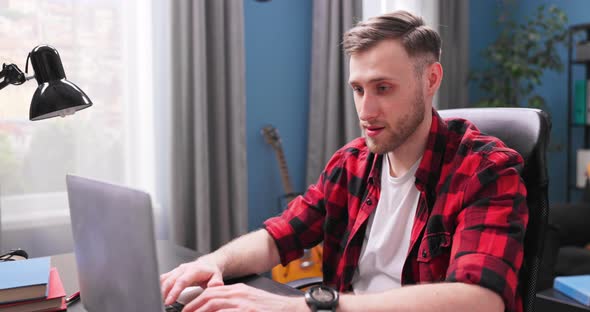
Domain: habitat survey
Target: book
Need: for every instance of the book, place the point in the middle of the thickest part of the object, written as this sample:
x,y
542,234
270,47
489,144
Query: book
x,y
580,102
55,300
582,162
24,279
583,51
576,287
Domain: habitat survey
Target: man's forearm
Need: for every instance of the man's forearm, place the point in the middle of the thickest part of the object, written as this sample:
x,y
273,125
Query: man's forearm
x,y
255,252
440,297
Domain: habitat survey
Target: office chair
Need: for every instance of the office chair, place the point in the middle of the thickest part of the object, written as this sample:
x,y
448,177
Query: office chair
x,y
525,130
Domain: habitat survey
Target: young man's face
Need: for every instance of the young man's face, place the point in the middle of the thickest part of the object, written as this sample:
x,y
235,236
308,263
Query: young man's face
x,y
389,95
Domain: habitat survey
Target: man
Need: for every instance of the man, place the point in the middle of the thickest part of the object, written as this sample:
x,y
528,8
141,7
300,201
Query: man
x,y
419,202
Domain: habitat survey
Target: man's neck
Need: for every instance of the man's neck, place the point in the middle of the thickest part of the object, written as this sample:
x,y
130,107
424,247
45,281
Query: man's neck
x,y
406,155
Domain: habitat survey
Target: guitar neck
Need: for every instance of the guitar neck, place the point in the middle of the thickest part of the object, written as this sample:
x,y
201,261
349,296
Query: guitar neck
x,y
284,171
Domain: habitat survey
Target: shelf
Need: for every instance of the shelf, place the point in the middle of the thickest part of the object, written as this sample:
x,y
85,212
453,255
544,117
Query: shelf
x,y
579,27
579,125
572,127
574,188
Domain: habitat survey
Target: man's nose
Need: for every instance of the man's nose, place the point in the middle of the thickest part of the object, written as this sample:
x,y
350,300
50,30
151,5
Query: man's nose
x,y
368,109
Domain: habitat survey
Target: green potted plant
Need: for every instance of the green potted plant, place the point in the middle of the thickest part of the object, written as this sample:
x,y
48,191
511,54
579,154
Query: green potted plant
x,y
519,56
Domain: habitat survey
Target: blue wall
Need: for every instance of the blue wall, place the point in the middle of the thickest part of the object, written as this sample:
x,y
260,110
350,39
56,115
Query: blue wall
x,y
482,32
278,41
554,85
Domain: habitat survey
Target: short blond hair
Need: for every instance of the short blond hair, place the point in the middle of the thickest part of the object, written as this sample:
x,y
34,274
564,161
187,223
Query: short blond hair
x,y
417,39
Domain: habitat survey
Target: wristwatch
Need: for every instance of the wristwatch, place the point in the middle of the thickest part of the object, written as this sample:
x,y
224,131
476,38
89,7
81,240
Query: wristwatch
x,y
321,298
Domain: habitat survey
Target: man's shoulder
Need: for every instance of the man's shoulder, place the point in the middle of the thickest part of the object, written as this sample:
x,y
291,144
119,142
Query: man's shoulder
x,y
467,141
352,154
354,148
356,144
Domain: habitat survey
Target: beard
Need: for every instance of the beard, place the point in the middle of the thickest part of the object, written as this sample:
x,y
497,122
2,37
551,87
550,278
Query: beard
x,y
391,138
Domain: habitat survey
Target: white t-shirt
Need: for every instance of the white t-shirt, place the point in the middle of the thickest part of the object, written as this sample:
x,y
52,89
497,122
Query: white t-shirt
x,y
387,237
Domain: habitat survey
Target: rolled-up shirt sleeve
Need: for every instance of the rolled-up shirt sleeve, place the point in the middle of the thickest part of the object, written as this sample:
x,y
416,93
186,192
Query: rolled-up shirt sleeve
x,y
488,244
299,226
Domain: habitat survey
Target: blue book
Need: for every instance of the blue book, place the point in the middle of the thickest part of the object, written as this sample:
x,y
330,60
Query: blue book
x,y
24,279
576,287
580,105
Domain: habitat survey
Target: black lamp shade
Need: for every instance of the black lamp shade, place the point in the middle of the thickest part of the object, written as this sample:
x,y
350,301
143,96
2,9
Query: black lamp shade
x,y
55,95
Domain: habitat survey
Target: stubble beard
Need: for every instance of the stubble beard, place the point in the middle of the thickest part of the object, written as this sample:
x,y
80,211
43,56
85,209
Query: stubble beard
x,y
392,138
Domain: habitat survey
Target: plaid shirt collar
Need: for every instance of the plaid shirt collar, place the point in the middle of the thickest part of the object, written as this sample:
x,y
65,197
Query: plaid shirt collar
x,y
429,171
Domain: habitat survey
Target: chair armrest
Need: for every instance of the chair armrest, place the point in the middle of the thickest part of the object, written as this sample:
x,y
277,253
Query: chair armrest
x,y
305,282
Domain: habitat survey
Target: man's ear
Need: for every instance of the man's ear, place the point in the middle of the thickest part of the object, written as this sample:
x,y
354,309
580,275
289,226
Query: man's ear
x,y
434,75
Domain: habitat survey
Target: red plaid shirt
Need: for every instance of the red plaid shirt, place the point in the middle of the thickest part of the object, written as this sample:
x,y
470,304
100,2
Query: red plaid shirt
x,y
470,220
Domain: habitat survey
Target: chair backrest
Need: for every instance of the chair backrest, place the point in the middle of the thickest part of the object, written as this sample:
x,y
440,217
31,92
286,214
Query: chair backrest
x,y
525,130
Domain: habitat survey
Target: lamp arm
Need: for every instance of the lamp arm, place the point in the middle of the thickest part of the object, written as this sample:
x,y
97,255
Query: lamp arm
x,y
11,74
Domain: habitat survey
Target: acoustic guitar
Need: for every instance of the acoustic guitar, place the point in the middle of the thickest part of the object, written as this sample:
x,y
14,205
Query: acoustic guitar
x,y
310,264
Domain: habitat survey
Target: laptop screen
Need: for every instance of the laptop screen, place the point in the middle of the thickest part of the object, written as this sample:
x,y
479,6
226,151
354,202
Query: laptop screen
x,y
114,245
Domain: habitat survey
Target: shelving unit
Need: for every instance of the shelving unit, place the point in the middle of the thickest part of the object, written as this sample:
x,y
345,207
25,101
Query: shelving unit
x,y
571,126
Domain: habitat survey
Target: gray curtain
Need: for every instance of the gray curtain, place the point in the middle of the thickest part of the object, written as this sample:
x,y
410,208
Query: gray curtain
x,y
332,116
209,176
454,30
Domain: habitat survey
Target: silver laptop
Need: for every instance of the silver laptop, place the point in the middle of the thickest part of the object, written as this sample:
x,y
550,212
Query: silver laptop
x,y
114,246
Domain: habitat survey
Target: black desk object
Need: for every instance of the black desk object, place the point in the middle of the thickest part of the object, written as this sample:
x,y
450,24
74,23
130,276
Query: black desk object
x,y
169,257
551,300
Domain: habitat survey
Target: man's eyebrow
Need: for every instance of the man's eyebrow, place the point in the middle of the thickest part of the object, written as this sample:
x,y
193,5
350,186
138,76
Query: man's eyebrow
x,y
373,80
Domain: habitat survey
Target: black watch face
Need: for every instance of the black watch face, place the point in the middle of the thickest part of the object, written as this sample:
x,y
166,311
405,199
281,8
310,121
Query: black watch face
x,y
322,295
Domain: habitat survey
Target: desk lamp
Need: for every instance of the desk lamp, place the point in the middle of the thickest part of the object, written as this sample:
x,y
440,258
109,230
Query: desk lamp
x,y
55,95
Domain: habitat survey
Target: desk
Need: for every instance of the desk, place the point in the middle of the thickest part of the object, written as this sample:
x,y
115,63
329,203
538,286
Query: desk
x,y
550,300
169,257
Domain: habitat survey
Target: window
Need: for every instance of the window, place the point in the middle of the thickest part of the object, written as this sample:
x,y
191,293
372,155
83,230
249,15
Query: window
x,y
105,49
428,9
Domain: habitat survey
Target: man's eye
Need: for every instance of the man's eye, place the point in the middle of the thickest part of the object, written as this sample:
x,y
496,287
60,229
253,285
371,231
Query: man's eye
x,y
383,88
357,90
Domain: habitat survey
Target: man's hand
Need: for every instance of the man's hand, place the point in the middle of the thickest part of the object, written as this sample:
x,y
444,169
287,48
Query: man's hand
x,y
248,254
240,297
197,273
